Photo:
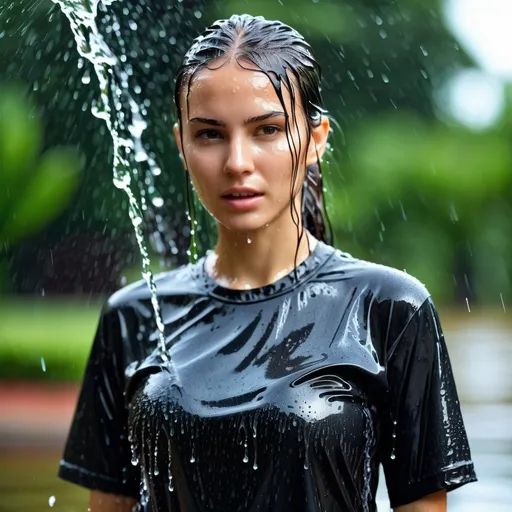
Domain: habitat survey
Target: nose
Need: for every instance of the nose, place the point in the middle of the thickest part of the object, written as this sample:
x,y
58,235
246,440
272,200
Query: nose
x,y
239,159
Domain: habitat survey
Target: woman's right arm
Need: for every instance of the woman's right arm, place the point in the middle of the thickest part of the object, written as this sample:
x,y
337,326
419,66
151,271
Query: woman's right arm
x,y
103,502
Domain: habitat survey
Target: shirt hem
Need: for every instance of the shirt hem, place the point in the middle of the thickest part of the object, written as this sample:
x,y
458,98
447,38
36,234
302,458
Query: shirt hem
x,y
448,480
93,481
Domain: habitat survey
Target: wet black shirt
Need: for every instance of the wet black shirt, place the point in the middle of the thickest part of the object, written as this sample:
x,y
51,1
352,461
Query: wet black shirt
x,y
282,398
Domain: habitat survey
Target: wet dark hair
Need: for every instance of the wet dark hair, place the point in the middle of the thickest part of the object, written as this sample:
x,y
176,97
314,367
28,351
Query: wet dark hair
x,y
286,58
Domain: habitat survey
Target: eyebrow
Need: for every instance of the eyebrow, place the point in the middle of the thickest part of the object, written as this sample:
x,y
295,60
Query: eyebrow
x,y
250,120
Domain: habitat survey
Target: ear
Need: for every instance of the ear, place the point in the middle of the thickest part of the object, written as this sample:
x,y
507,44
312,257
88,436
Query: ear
x,y
318,141
177,136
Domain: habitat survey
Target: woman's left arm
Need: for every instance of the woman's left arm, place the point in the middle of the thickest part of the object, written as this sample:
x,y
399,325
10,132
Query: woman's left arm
x,y
435,502
424,446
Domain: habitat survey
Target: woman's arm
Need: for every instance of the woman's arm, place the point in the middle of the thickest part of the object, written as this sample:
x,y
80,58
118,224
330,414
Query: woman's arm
x,y
435,502
102,502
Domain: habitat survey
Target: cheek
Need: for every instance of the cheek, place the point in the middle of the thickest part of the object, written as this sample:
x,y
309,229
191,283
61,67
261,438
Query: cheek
x,y
276,151
199,176
202,163
280,157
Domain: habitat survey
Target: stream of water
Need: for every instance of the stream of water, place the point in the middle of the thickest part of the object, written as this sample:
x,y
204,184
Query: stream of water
x,y
125,122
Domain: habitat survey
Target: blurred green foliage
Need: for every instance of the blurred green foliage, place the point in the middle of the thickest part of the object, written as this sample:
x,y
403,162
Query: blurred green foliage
x,y
34,187
434,196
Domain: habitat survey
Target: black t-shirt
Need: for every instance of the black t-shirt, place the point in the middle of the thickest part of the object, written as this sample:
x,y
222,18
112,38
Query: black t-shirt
x,y
282,398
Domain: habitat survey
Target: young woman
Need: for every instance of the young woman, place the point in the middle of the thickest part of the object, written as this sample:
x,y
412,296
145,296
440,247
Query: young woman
x,y
292,370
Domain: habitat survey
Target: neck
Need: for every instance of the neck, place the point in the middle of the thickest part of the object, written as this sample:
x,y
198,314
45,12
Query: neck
x,y
256,259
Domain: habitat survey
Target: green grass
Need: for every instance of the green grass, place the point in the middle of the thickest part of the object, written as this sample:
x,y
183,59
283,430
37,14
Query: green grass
x,y
58,332
28,477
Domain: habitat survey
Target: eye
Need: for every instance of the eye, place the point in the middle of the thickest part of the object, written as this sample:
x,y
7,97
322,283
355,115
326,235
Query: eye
x,y
207,134
269,129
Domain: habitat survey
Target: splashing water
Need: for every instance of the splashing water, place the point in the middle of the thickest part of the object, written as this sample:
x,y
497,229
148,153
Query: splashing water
x,y
125,122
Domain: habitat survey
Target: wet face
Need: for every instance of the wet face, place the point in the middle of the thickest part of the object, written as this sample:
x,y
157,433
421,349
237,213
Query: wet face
x,y
234,141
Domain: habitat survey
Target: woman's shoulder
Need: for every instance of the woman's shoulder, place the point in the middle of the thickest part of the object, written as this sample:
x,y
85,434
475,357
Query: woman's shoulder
x,y
182,280
382,282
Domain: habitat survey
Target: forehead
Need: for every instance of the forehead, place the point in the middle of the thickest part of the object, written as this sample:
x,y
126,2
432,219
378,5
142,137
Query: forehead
x,y
228,84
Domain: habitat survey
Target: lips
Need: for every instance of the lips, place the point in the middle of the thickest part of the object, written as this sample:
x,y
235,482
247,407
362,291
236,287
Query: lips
x,y
243,204
241,192
241,196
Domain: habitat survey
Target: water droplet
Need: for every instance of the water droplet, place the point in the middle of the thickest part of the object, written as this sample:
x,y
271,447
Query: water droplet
x,y
158,202
423,50
135,459
467,304
86,78
385,78
503,303
393,456
169,465
43,364
249,241
51,501
246,456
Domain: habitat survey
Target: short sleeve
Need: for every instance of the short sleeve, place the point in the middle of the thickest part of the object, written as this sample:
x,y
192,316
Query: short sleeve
x,y
425,446
97,454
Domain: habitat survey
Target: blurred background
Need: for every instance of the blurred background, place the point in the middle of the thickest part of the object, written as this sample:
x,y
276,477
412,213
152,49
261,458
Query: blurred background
x,y
418,176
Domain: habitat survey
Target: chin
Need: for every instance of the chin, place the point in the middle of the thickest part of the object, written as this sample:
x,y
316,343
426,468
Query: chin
x,y
242,225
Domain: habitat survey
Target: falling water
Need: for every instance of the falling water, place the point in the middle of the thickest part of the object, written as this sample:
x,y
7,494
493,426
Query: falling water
x,y
125,122
367,470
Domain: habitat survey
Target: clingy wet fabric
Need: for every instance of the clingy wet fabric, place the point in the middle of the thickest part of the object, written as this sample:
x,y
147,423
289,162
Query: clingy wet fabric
x,y
283,398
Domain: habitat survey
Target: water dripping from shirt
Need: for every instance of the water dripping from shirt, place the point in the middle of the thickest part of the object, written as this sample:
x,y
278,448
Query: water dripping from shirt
x,y
367,470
